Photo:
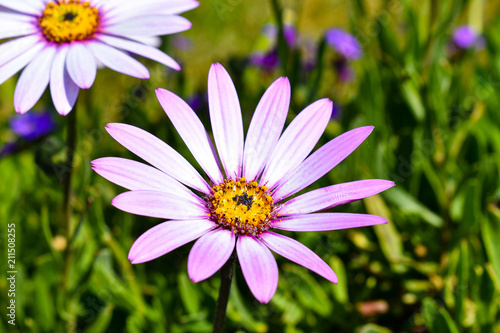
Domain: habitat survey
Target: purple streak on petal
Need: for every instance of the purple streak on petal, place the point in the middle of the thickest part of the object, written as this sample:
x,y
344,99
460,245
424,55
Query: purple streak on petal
x,y
265,127
81,65
33,80
63,90
344,43
465,37
127,10
33,125
191,130
320,162
159,204
17,63
331,196
159,154
210,253
258,266
118,61
226,120
9,29
14,48
138,176
326,221
297,141
298,253
140,49
166,237
151,25
31,7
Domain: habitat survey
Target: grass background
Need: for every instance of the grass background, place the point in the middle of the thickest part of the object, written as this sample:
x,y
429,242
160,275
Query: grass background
x,y
434,268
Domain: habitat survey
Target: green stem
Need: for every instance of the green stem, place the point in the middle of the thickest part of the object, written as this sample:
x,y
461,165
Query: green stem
x,y
67,207
282,45
226,277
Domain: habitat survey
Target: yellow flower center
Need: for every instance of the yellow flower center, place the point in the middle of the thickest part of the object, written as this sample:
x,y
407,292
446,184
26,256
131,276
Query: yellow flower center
x,y
65,21
243,207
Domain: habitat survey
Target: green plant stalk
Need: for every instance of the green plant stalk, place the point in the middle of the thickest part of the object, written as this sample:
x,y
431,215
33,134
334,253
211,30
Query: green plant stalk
x,y
226,278
67,200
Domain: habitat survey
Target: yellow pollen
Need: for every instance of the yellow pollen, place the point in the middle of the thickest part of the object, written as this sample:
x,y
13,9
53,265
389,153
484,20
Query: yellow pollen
x,y
241,206
66,21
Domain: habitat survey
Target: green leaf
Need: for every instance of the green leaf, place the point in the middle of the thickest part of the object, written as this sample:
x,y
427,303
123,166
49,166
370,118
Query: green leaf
x,y
408,204
413,99
387,234
437,318
491,237
102,321
44,303
340,291
463,281
309,292
373,328
189,295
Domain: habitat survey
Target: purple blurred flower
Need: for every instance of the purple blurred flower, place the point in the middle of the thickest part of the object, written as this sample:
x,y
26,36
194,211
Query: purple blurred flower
x,y
344,71
466,37
291,35
31,126
266,61
336,111
8,148
344,43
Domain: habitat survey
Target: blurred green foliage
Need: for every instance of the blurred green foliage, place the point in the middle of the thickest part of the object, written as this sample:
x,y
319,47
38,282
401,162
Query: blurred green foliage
x,y
434,268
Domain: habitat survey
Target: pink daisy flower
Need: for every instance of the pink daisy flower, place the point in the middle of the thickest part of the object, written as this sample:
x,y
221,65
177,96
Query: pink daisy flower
x,y
245,197
62,41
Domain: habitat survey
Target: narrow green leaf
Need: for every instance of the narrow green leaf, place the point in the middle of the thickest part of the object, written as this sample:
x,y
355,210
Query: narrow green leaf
x,y
189,295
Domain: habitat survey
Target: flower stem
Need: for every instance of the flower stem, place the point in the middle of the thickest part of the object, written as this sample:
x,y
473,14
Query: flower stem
x,y
226,277
67,208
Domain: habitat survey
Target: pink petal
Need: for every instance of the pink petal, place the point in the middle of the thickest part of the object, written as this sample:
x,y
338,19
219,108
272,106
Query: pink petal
x,y
63,90
127,10
153,41
166,237
225,117
151,25
265,127
321,161
326,221
297,141
34,80
159,154
159,204
17,63
298,253
334,195
8,15
81,65
140,49
14,48
32,7
258,266
193,133
210,253
9,29
138,176
118,61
